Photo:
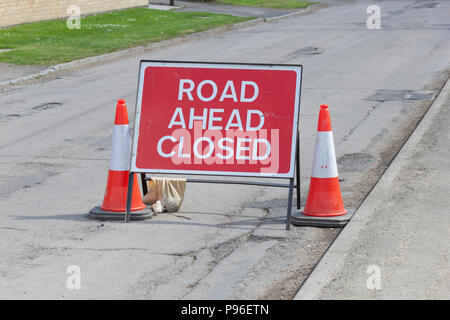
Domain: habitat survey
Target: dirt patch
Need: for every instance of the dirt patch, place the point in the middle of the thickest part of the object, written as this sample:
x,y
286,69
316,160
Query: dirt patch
x,y
355,161
389,95
300,257
47,106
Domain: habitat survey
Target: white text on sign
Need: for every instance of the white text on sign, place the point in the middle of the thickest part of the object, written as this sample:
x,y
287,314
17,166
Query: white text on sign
x,y
234,145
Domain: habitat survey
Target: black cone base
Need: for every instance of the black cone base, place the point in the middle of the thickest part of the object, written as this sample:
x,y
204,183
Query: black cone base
x,y
99,214
302,220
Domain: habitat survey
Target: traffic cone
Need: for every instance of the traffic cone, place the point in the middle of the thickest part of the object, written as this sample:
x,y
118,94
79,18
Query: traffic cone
x,y
115,199
324,206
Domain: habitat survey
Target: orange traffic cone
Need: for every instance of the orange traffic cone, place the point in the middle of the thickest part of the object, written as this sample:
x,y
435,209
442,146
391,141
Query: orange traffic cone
x,y
324,205
114,201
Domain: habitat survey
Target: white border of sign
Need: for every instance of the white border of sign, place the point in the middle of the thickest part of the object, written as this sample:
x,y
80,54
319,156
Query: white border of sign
x,y
145,64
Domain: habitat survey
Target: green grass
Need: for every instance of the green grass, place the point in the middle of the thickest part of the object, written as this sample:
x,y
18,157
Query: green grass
x,y
274,4
51,42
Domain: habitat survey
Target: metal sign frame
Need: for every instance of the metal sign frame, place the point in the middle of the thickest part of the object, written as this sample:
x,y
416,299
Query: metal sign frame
x,y
294,170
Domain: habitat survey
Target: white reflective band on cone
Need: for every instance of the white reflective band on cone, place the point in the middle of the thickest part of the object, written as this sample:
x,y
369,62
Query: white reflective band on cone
x,y
121,148
324,156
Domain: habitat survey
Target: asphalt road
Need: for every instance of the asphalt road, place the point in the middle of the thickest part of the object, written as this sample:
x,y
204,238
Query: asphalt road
x,y
397,246
56,136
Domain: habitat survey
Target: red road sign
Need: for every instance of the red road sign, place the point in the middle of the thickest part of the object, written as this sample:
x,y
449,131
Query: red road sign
x,y
216,119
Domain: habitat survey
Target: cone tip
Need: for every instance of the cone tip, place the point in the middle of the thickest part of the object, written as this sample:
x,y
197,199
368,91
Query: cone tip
x,y
121,112
324,118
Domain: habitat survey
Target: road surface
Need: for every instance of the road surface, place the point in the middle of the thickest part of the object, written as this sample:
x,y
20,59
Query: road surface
x,y
397,247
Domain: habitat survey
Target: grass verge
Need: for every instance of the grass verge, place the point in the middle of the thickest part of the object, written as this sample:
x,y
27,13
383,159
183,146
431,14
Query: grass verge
x,y
274,4
52,42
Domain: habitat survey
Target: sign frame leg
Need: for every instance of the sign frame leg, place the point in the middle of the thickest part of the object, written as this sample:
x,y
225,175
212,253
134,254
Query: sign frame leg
x,y
289,208
144,184
129,196
297,173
